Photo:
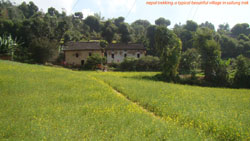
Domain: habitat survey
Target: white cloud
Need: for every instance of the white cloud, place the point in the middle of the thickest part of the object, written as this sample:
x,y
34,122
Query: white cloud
x,y
114,6
87,12
45,4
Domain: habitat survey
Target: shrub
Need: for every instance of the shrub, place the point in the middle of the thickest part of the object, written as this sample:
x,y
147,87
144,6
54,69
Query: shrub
x,y
242,76
129,64
146,63
221,75
189,61
93,61
41,49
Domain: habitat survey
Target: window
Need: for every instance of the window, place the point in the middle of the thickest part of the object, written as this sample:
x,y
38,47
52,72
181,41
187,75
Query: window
x,y
90,54
113,56
138,55
77,55
82,62
125,55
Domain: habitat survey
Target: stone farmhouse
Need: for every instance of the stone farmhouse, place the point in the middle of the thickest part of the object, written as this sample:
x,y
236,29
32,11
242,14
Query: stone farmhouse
x,y
76,53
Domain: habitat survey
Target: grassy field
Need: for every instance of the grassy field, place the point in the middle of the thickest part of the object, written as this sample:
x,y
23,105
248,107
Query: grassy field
x,y
223,114
38,102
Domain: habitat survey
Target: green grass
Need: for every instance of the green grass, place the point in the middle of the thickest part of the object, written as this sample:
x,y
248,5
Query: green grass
x,y
45,103
223,114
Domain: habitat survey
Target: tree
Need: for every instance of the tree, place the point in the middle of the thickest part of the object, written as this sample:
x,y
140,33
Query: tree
x,y
8,46
124,31
151,50
208,25
186,34
118,21
169,47
242,76
108,31
243,37
53,12
93,23
41,49
139,28
28,9
224,29
191,25
79,15
209,50
144,23
240,29
189,61
71,36
163,22
228,47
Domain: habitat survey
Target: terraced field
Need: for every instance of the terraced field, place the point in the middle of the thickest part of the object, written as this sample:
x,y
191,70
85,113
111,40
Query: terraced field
x,y
45,103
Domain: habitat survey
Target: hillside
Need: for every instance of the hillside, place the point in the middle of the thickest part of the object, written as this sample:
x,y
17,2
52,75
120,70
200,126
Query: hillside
x,y
38,102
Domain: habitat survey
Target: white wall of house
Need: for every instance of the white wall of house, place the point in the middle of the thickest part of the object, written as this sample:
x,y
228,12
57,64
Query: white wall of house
x,y
117,56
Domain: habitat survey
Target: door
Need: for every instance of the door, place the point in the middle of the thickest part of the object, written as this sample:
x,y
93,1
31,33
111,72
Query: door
x,y
82,62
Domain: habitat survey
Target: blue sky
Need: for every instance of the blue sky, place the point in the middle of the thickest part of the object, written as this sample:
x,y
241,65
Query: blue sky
x,y
138,9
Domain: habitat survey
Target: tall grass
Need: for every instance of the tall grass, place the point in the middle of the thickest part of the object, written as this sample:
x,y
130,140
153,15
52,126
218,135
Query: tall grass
x,y
44,103
223,114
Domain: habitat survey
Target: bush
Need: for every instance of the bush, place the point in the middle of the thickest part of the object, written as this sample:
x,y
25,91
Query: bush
x,y
146,63
93,61
221,76
242,76
189,61
41,49
129,64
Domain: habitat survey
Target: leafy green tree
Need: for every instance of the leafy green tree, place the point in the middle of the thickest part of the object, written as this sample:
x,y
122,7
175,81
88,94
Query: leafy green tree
x,y
93,23
240,29
79,15
42,49
28,9
191,25
228,47
243,37
53,12
162,22
119,21
189,61
209,50
6,27
8,46
208,25
125,33
144,23
242,76
224,29
71,36
169,47
151,50
185,35
108,31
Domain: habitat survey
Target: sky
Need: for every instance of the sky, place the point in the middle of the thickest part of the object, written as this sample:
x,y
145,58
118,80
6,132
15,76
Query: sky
x,y
139,9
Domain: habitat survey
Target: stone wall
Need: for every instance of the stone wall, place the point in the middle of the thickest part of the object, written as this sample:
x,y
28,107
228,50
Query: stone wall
x,y
79,57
